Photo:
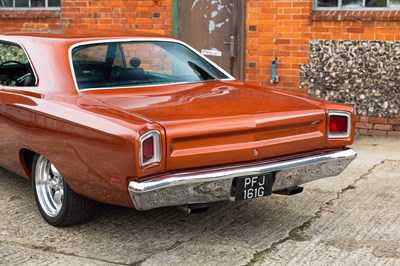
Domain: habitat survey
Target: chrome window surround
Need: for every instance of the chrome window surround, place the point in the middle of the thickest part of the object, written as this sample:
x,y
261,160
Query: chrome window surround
x,y
29,60
155,134
340,7
139,39
339,135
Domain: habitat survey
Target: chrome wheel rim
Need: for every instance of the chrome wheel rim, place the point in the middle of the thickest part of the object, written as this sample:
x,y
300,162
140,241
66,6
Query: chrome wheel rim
x,y
49,186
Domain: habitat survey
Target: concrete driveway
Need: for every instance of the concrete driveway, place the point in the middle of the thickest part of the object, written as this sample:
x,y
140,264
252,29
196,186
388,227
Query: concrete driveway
x,y
351,219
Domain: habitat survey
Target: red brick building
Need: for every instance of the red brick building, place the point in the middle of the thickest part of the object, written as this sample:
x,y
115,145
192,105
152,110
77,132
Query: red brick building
x,y
341,50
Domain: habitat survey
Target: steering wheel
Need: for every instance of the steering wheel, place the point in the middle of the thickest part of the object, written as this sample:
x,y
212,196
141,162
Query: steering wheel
x,y
13,62
26,78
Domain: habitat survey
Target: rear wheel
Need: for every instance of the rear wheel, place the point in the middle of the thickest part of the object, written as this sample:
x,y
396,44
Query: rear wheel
x,y
57,202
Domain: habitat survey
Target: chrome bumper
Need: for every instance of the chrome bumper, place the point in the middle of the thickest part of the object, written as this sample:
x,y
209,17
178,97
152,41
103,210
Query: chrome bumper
x,y
210,185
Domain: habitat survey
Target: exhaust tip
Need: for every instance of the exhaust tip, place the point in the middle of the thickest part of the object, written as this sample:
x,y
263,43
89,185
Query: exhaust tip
x,y
290,191
194,208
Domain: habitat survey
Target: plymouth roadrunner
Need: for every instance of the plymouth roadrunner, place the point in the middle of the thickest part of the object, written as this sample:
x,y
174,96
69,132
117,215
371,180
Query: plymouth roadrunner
x,y
145,121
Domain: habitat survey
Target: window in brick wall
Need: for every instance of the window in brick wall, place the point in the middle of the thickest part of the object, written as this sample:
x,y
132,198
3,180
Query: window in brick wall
x,y
29,4
357,4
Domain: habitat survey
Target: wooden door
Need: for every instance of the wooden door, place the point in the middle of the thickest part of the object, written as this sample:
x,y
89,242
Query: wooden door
x,y
216,29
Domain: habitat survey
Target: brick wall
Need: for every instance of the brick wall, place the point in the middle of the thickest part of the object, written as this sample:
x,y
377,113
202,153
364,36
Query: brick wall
x,y
12,20
378,126
148,15
277,29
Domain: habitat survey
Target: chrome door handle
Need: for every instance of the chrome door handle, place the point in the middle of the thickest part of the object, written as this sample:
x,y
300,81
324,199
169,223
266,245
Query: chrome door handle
x,y
231,44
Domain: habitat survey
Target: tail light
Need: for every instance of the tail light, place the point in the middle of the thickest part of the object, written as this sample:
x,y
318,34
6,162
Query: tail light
x,y
339,124
150,148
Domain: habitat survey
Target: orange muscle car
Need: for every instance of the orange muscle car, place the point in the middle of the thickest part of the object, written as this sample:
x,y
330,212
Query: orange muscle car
x,y
145,121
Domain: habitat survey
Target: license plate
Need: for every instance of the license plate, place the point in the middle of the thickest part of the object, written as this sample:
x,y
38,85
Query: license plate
x,y
250,187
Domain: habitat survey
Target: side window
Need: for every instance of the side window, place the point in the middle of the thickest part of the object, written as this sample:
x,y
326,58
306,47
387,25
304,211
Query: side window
x,y
15,69
357,4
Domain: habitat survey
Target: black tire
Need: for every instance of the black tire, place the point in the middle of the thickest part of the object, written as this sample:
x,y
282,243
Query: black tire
x,y
58,204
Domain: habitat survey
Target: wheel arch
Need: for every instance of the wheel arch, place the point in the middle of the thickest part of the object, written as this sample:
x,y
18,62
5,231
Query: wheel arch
x,y
26,157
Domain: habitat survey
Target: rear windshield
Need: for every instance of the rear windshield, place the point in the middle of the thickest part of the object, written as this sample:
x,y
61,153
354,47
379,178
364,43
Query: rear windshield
x,y
139,63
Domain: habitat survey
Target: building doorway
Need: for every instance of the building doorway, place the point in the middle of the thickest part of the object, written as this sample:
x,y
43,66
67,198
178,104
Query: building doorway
x,y
216,29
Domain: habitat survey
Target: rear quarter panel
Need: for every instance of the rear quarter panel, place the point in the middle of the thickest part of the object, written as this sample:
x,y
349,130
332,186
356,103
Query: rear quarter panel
x,y
87,147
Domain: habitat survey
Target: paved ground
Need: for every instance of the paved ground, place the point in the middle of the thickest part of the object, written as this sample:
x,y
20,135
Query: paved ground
x,y
352,219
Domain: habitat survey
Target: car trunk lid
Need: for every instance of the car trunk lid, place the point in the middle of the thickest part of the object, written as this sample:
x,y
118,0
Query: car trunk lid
x,y
215,123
